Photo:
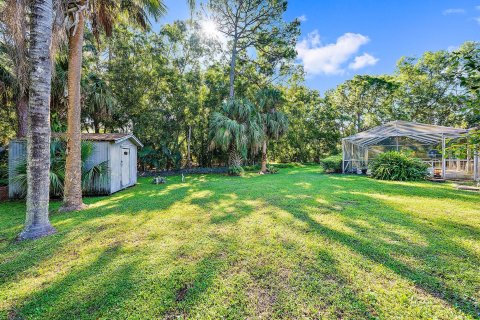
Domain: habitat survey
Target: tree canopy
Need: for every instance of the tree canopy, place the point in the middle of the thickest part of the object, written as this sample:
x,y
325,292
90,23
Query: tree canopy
x,y
170,88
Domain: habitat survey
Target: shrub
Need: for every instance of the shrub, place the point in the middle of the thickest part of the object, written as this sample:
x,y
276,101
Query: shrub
x,y
3,174
235,171
272,169
397,166
332,164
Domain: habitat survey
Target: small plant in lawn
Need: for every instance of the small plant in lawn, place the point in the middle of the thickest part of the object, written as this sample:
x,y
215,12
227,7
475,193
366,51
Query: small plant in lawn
x,y
332,164
398,166
272,169
235,171
160,180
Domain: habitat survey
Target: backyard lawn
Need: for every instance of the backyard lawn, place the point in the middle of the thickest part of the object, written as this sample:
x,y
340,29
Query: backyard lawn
x,y
298,244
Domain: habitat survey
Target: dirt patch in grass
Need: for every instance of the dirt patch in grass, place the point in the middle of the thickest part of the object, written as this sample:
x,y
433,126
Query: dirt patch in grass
x,y
182,292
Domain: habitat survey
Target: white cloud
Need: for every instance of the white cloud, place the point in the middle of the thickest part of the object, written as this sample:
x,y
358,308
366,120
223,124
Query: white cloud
x,y
477,7
329,58
477,19
363,61
302,18
454,11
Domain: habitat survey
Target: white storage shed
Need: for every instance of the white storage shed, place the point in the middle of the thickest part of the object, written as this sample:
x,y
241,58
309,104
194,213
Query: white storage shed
x,y
118,150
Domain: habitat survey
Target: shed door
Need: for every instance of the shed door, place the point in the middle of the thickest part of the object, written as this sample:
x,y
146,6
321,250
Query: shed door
x,y
125,166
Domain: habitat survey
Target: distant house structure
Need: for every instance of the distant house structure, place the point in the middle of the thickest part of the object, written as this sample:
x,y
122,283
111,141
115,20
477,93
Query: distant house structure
x,y
118,150
424,141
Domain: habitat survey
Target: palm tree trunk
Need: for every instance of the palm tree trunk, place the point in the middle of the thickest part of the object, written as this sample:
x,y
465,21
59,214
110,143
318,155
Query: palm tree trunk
x,y
22,115
234,157
72,198
38,132
264,157
189,155
96,126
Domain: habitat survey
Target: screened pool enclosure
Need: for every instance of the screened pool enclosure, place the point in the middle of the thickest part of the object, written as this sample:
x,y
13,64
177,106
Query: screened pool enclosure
x,y
427,142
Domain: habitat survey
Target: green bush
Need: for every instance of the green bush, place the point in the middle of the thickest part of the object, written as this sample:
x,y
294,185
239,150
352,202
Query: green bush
x,y
235,171
332,164
272,169
397,166
3,174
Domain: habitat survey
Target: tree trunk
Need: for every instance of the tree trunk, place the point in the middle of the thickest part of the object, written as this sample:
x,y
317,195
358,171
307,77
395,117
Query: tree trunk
x,y
359,122
189,155
96,126
232,68
22,111
234,157
38,132
264,157
72,198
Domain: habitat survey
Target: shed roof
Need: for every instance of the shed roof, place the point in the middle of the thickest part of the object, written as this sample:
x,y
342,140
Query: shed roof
x,y
110,137
418,131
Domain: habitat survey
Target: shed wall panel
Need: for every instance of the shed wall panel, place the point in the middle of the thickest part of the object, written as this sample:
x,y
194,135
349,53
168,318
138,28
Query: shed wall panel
x,y
17,152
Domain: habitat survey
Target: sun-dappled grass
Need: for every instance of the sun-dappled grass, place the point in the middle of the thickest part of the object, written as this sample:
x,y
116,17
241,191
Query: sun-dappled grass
x,y
298,244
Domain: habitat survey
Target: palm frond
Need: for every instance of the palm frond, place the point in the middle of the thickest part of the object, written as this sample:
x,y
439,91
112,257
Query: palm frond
x,y
237,126
95,175
90,176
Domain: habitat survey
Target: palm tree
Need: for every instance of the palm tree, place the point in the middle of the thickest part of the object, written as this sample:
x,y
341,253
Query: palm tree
x,y
14,26
103,14
236,129
38,132
99,100
274,122
14,44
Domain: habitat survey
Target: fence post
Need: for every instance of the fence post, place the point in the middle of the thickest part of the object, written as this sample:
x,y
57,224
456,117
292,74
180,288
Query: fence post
x,y
444,163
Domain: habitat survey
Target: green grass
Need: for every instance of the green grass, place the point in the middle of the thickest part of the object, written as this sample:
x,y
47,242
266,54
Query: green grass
x,y
298,244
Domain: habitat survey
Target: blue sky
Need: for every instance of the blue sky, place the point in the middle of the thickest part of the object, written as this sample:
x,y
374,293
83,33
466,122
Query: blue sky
x,y
341,38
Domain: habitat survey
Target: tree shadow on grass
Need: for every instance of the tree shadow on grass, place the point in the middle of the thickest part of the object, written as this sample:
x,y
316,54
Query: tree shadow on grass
x,y
386,245
188,283
118,283
184,288
421,188
435,255
82,293
25,256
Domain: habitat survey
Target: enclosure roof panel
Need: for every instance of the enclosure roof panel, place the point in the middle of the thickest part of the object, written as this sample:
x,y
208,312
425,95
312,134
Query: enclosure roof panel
x,y
398,128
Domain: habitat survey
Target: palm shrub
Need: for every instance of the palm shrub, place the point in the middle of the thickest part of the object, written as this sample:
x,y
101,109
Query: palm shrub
x,y
332,164
236,171
398,166
274,122
90,175
272,169
236,129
